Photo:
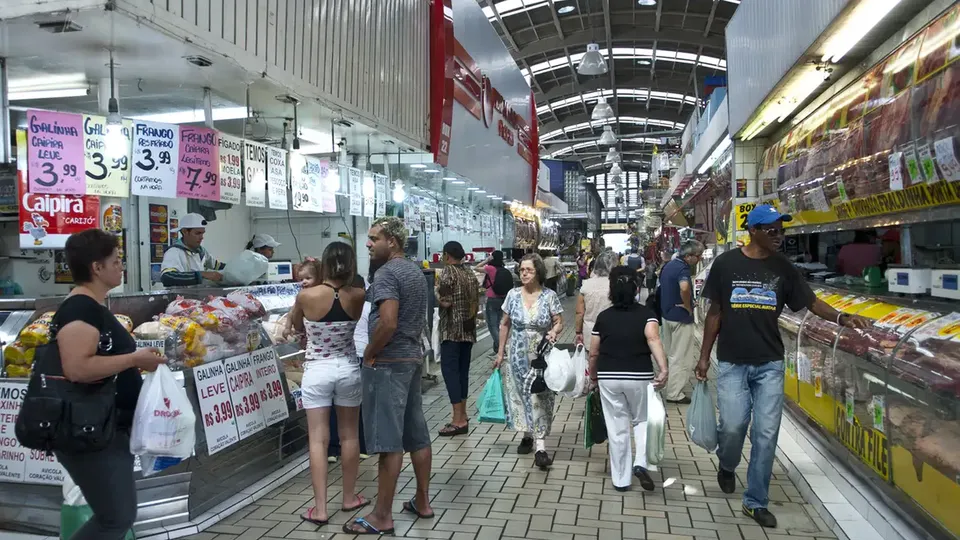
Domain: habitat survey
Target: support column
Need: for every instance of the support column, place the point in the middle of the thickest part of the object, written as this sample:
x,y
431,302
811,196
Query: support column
x,y
6,142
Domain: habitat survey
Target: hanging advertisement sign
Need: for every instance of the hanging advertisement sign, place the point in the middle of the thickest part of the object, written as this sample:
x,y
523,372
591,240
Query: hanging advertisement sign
x,y
355,181
47,220
483,113
255,165
307,179
156,155
381,195
107,169
198,176
55,153
277,177
19,464
369,194
231,173
216,408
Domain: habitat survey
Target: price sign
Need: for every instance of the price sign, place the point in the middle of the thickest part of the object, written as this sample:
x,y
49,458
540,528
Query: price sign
x,y
267,377
928,165
355,184
896,171
328,202
55,153
151,344
156,153
107,169
947,159
913,164
245,395
370,190
198,176
216,408
231,173
255,164
306,179
381,206
19,464
277,177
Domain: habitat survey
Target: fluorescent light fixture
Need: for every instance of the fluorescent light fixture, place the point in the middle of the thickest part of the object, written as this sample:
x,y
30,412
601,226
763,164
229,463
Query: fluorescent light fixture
x,y
715,155
458,182
473,189
47,94
603,110
491,196
608,138
307,149
417,166
194,116
592,62
563,10
496,198
398,194
633,120
859,21
795,93
449,178
481,191
431,170
633,53
646,2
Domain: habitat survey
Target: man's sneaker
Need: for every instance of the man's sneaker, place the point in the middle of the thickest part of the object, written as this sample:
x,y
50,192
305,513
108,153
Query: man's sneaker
x,y
762,516
727,481
645,481
526,446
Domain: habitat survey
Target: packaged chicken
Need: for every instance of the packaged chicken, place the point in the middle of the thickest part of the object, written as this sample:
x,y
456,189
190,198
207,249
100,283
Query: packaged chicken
x,y
188,332
17,354
231,308
35,335
248,302
152,330
18,372
182,306
127,322
46,318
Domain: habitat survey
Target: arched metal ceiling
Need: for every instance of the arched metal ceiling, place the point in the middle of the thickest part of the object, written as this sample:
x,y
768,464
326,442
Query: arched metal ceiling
x,y
666,50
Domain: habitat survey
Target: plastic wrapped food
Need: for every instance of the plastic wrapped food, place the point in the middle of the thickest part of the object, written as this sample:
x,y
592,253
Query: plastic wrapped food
x,y
248,302
182,306
46,318
188,332
127,322
35,335
18,372
17,354
231,308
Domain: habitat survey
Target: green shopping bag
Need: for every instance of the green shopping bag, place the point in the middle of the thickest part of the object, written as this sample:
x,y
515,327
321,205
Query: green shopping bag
x,y
594,426
492,408
75,511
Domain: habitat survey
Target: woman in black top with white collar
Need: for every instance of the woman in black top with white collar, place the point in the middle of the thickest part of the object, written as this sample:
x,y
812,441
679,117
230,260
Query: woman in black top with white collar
x,y
621,364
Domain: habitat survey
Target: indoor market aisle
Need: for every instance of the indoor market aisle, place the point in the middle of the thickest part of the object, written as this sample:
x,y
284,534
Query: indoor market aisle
x,y
482,490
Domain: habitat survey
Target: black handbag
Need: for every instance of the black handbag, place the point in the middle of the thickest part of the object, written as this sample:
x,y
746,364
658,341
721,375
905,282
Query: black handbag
x,y
64,416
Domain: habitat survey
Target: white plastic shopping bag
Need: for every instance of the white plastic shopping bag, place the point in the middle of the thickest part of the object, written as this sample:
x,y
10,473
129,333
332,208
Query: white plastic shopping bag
x,y
245,268
580,367
559,375
163,424
656,426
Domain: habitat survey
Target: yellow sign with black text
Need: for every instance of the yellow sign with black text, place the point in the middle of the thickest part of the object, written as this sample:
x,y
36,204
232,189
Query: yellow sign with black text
x,y
868,444
915,197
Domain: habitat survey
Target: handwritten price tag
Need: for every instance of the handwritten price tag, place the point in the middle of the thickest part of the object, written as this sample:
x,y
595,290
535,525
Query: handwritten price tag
x,y
256,173
267,377
198,176
928,165
244,395
156,153
896,171
107,169
277,178
55,153
216,408
947,159
231,173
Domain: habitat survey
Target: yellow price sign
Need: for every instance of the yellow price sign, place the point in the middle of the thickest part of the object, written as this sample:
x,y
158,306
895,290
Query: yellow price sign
x,y
741,211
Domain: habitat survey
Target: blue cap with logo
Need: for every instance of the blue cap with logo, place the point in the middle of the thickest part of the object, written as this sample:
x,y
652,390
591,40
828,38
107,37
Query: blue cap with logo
x,y
765,214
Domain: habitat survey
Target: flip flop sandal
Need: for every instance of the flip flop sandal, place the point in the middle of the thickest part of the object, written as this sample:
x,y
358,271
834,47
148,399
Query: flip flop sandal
x,y
368,528
411,506
451,430
308,517
363,502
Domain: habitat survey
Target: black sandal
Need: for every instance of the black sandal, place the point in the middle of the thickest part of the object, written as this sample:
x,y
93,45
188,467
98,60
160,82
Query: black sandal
x,y
451,430
368,528
542,460
644,477
526,446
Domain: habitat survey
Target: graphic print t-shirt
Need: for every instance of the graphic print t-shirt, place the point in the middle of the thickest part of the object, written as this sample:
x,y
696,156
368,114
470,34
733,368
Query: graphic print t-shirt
x,y
751,294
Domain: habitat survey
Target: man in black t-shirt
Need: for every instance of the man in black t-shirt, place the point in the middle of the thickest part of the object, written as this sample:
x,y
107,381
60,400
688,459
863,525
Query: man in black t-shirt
x,y
747,289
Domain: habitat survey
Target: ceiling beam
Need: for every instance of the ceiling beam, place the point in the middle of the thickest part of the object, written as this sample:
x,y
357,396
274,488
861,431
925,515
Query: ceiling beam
x,y
610,63
664,83
621,33
556,19
713,12
664,115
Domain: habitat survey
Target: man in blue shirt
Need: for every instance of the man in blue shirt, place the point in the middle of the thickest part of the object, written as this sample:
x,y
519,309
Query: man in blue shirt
x,y
678,330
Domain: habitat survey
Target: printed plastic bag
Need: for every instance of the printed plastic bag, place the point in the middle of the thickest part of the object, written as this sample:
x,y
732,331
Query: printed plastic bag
x,y
702,418
75,512
163,423
560,375
594,426
492,408
245,268
656,426
580,367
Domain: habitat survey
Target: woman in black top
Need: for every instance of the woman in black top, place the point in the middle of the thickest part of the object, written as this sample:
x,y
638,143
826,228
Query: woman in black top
x,y
94,346
620,362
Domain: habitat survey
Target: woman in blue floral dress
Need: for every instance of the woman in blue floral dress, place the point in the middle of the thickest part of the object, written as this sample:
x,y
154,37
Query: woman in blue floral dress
x,y
530,313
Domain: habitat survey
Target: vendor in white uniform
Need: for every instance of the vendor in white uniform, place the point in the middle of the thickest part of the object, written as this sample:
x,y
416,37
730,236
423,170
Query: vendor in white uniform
x,y
263,244
186,262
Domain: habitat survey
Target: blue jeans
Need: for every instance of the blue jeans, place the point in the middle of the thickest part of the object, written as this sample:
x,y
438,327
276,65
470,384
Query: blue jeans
x,y
743,389
455,368
493,312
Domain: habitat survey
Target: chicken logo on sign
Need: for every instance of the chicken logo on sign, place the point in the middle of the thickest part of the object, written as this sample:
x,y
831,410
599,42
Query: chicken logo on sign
x,y
36,228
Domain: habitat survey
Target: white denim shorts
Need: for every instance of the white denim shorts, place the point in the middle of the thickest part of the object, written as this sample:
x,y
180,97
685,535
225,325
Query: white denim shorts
x,y
331,381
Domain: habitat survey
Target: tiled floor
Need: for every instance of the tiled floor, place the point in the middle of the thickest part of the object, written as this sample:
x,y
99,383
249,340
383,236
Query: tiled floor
x,y
482,490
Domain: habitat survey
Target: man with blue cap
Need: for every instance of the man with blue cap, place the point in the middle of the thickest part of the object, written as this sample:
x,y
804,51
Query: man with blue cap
x,y
747,289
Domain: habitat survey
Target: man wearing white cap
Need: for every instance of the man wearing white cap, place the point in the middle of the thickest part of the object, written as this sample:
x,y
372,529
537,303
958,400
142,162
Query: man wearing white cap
x,y
186,262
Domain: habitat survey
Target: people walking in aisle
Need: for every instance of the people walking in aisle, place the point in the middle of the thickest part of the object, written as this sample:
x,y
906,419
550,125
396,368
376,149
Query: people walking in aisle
x,y
531,313
328,315
582,272
391,377
458,297
594,297
554,271
497,281
747,289
620,364
635,261
676,308
360,337
94,345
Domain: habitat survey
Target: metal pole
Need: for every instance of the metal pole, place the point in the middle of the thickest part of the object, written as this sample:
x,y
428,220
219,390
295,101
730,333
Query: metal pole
x,y
6,154
207,107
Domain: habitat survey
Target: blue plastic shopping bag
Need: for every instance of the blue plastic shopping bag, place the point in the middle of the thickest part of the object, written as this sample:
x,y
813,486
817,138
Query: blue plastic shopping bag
x,y
702,418
492,408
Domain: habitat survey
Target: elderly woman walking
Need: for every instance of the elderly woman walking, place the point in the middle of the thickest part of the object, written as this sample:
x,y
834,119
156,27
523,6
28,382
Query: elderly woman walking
x,y
594,296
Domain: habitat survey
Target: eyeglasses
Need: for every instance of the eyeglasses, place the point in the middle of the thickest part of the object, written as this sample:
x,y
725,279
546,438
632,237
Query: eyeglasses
x,y
771,231
528,271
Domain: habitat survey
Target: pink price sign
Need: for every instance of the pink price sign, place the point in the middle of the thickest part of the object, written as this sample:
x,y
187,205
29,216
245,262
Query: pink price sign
x,y
198,175
55,153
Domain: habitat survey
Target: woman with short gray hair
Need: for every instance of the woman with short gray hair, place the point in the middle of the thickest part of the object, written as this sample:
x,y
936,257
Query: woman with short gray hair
x,y
594,295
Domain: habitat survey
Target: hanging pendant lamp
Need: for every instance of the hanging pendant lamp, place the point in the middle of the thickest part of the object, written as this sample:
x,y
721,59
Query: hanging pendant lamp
x,y
592,62
612,157
602,111
608,138
615,171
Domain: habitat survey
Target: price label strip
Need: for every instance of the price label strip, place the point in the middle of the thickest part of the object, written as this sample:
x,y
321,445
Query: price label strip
x,y
216,407
244,395
198,175
156,154
266,375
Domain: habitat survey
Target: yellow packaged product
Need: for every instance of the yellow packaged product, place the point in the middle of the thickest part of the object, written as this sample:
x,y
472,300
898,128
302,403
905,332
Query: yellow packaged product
x,y
189,332
17,354
34,335
127,322
17,372
46,318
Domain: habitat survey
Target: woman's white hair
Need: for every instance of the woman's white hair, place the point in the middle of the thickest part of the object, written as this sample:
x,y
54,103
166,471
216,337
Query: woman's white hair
x,y
606,262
